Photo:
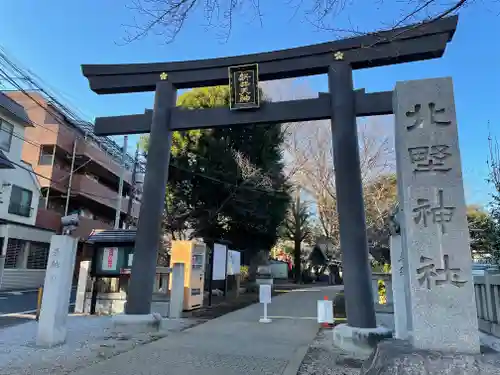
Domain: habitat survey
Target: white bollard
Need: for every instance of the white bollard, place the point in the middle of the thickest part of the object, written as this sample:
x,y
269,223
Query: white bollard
x,y
265,298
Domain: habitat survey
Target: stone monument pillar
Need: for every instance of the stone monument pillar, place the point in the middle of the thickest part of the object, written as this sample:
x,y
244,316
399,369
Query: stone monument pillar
x,y
81,288
177,291
56,291
433,214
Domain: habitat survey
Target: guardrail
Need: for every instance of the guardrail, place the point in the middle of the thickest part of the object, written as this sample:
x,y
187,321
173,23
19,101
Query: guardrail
x,y
487,288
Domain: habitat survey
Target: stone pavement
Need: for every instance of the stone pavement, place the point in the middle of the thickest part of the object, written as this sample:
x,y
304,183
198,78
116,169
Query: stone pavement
x,y
235,343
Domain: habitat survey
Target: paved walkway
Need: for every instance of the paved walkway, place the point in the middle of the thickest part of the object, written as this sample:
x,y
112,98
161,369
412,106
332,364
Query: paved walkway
x,y
235,343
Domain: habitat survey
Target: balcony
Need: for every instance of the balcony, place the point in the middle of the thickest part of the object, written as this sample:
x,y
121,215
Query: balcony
x,y
52,220
48,219
86,148
99,156
100,193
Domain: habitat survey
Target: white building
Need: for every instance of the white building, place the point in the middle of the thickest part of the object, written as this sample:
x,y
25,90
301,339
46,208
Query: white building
x,y
24,247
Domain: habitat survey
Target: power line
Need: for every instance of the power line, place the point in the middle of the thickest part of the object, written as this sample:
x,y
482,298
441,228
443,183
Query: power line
x,y
68,113
73,117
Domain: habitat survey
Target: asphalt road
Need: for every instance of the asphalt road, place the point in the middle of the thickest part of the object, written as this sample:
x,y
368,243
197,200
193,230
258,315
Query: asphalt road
x,y
20,306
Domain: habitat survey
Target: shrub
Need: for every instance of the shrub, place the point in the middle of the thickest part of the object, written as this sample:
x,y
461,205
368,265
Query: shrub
x,y
382,293
244,273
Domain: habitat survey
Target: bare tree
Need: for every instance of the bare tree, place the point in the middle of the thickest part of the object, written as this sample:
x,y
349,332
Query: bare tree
x,y
167,18
380,199
309,155
493,162
297,228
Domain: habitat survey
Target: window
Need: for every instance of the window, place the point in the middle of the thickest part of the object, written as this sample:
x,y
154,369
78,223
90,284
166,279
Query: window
x,y
20,201
38,256
6,131
46,153
14,249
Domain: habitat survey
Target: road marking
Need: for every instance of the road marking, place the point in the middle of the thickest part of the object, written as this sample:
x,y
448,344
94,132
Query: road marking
x,y
17,313
21,292
294,317
302,318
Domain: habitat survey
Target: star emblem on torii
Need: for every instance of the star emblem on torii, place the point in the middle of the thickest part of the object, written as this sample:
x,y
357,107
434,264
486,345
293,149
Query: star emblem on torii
x,y
338,55
163,76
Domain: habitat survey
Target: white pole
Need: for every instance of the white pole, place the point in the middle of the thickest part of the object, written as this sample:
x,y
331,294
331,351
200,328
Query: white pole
x,y
120,187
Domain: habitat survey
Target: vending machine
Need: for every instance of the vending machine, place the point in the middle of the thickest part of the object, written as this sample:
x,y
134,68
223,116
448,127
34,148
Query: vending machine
x,y
192,254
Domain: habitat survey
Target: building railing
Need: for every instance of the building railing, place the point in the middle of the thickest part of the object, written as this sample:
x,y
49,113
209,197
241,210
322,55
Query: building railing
x,y
487,291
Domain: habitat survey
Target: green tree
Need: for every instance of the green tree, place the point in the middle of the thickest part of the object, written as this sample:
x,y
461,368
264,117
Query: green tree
x,y
484,234
225,183
297,228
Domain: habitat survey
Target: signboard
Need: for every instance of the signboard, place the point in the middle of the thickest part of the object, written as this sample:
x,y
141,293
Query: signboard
x,y
265,294
233,262
244,87
325,311
112,261
219,270
128,265
109,258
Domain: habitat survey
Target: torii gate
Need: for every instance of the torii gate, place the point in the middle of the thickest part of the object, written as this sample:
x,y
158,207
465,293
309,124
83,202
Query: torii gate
x,y
342,105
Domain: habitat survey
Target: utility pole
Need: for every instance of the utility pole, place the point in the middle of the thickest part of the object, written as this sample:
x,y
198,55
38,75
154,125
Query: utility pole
x,y
128,218
48,187
68,192
120,188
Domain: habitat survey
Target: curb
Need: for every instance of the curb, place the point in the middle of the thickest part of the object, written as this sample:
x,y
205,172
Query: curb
x,y
292,367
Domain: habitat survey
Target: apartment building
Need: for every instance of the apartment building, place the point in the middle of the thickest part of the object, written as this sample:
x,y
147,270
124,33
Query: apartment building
x,y
24,245
53,144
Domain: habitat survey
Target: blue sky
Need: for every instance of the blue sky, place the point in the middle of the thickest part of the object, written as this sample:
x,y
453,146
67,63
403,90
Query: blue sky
x,y
53,38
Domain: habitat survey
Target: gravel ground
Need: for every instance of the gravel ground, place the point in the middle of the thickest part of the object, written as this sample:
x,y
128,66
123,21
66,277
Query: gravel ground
x,y
324,358
90,339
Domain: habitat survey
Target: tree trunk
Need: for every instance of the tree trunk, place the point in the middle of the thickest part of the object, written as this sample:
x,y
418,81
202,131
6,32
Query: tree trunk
x,y
296,256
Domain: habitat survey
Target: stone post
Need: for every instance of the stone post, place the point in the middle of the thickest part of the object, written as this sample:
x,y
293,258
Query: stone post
x,y
399,289
81,288
388,290
376,297
433,213
177,291
57,291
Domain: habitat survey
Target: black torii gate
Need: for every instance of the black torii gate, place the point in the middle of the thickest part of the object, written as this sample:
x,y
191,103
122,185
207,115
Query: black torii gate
x,y
342,105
